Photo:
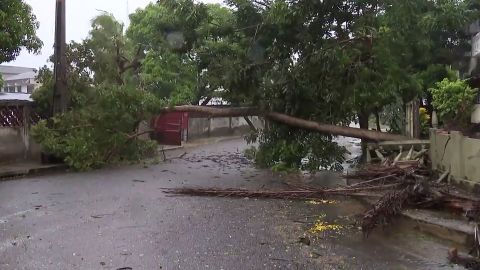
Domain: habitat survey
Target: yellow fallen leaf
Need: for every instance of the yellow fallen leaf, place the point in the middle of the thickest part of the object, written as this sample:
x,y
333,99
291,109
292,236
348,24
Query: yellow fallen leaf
x,y
317,202
322,226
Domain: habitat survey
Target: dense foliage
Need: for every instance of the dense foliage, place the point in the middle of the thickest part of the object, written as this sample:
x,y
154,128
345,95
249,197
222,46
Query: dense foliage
x,y
328,61
80,80
105,105
17,29
92,136
454,101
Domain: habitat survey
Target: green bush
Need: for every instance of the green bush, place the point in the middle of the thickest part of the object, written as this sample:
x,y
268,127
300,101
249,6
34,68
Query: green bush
x,y
101,132
424,122
453,101
250,153
315,150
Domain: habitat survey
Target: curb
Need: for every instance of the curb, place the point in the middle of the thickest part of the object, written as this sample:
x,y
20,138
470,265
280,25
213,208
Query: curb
x,y
435,224
19,173
46,169
455,230
211,140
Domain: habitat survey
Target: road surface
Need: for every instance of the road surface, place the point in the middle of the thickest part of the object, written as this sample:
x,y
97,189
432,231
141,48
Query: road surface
x,y
119,217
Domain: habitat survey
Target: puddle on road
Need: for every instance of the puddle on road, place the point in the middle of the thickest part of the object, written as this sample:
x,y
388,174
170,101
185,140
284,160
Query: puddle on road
x,y
333,226
334,229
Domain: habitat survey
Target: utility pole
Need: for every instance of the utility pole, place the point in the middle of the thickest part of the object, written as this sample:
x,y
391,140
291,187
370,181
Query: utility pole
x,y
60,92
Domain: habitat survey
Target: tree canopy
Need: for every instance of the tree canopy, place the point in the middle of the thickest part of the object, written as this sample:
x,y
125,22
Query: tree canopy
x,y
329,61
18,26
105,105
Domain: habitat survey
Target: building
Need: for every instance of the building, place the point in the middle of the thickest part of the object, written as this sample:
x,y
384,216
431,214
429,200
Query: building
x,y
18,79
474,69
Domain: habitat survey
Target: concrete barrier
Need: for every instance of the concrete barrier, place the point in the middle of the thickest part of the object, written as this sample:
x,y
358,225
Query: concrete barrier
x,y
211,127
458,154
15,145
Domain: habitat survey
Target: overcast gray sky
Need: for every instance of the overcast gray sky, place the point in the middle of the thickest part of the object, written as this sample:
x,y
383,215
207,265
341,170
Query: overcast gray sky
x,y
79,14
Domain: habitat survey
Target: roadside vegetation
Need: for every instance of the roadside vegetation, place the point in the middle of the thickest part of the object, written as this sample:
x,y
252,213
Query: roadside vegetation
x,y
332,62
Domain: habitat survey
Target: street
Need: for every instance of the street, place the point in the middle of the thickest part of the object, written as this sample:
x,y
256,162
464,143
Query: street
x,y
119,218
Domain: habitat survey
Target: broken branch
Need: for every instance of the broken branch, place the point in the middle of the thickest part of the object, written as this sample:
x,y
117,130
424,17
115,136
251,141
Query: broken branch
x,y
289,121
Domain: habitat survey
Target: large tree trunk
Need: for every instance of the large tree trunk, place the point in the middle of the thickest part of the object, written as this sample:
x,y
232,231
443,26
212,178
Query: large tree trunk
x,y
377,120
250,124
363,122
290,121
417,130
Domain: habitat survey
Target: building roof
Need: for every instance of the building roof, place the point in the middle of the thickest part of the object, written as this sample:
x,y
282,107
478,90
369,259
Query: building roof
x,y
15,98
22,76
14,70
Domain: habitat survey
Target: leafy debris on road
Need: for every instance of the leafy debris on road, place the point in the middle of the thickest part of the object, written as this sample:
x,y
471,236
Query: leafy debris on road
x,y
468,262
397,187
224,160
304,240
138,181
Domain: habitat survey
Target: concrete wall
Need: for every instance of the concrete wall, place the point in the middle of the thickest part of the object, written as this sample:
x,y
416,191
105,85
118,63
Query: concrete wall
x,y
456,153
207,127
14,146
11,144
16,143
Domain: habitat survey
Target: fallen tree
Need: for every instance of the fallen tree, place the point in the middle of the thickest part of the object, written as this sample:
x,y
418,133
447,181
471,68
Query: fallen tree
x,y
288,120
396,189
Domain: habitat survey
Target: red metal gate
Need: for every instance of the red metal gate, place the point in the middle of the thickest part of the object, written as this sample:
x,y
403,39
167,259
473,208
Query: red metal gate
x,y
170,128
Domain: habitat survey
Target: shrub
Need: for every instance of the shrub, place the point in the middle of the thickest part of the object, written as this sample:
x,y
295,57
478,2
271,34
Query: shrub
x,y
102,132
453,101
424,122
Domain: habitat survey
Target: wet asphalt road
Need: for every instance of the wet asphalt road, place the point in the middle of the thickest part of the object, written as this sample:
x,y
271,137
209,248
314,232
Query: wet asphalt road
x,y
119,217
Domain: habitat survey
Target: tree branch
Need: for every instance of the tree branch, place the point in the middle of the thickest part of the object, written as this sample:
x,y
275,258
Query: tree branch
x,y
289,121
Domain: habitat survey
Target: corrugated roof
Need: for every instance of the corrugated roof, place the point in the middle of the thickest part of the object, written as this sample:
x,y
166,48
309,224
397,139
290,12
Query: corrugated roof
x,y
14,69
22,76
15,97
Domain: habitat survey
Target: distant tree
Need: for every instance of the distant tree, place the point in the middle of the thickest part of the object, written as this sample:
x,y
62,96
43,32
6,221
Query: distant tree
x,y
327,61
117,60
107,105
18,26
79,80
104,57
191,49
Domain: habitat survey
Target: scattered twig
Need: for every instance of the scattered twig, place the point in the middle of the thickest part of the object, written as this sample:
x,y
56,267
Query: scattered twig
x,y
378,179
443,176
467,262
385,209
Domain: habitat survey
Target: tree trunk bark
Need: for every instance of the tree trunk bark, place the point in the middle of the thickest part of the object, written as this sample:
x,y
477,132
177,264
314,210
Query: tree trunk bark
x,y
291,121
250,124
363,122
205,102
377,120
416,119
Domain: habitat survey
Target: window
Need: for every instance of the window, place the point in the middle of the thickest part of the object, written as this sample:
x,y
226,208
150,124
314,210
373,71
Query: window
x,y
11,89
30,88
19,88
